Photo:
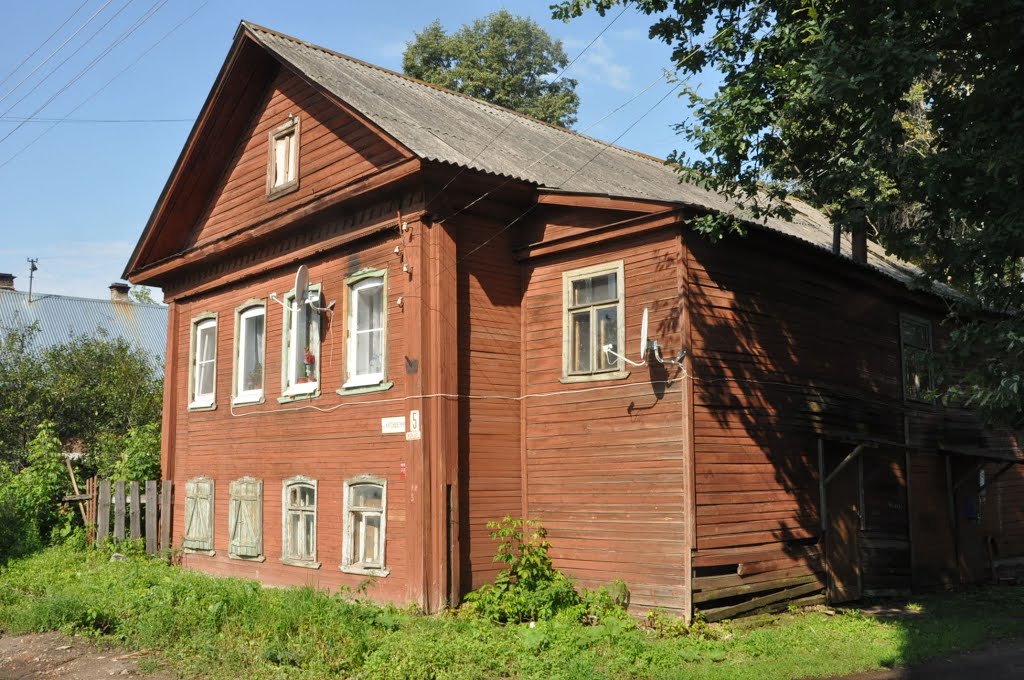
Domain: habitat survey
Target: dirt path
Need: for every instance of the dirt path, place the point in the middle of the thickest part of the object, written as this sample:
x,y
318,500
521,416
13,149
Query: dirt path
x,y
52,655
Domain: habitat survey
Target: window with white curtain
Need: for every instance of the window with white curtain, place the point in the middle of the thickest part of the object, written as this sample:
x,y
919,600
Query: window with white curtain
x,y
250,325
203,376
367,318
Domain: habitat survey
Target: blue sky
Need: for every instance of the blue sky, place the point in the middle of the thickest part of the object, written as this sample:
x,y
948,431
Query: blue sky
x,y
78,196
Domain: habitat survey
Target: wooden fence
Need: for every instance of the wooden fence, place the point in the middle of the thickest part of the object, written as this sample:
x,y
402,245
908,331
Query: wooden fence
x,y
129,510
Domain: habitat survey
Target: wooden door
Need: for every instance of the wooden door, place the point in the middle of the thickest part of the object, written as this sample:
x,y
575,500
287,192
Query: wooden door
x,y
842,538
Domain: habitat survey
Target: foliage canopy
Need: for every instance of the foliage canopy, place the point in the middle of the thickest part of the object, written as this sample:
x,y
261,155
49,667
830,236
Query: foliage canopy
x,y
905,120
501,58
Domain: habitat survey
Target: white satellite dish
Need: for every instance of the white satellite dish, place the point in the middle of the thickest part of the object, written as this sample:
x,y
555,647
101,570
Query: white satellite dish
x,y
301,284
643,336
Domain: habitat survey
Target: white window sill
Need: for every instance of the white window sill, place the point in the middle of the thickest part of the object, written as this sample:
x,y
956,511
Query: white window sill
x,y
375,387
300,563
250,398
202,405
364,381
594,377
199,551
245,558
301,388
365,571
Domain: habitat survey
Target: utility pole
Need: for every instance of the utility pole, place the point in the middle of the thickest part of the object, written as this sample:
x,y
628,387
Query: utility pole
x,y
32,268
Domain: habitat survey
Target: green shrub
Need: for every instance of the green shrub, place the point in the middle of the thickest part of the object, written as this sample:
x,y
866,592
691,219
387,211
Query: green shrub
x,y
531,589
30,507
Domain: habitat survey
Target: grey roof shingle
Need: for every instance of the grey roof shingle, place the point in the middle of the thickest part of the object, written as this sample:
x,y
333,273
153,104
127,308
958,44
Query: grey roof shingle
x,y
61,317
439,125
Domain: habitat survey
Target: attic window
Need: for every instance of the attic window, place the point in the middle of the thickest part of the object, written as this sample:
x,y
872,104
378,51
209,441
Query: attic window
x,y
283,159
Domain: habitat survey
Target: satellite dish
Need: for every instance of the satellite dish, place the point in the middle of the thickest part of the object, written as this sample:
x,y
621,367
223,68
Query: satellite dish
x,y
643,336
301,284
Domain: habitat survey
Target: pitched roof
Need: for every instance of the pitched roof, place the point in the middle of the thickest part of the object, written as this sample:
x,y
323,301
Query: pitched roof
x,y
62,317
447,127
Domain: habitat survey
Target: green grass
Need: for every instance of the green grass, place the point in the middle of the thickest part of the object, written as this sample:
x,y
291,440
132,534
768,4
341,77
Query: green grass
x,y
212,627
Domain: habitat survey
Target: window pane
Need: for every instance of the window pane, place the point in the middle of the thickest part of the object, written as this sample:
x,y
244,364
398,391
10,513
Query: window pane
x,y
356,537
294,547
309,536
581,292
916,373
306,497
280,159
603,288
367,496
371,544
607,334
580,339
368,352
252,353
916,334
370,314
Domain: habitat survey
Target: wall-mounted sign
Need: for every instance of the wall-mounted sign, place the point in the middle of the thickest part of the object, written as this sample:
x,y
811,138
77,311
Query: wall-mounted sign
x,y
414,426
395,425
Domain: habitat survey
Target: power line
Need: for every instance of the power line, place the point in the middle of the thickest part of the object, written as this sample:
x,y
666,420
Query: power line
x,y
59,48
40,45
20,119
117,41
88,99
78,49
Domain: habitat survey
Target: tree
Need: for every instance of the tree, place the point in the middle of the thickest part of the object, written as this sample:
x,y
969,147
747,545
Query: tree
x,y
503,59
99,391
143,295
899,119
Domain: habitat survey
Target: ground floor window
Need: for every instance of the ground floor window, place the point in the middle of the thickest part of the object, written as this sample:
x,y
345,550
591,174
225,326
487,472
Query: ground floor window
x,y
299,522
365,523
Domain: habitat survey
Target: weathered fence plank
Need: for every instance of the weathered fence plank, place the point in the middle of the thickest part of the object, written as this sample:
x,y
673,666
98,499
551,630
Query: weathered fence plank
x,y
136,512
165,516
151,517
103,512
119,510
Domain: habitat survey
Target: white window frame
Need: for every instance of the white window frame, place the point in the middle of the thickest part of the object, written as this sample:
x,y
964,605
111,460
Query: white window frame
x,y
289,130
286,543
190,543
910,319
351,561
250,309
233,509
355,283
290,356
200,324
617,370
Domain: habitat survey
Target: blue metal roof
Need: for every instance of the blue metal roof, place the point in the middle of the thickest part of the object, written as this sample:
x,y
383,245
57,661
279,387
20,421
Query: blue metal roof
x,y
62,317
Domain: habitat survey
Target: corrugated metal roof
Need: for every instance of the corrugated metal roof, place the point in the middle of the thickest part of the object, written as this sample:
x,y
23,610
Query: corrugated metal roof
x,y
61,317
436,124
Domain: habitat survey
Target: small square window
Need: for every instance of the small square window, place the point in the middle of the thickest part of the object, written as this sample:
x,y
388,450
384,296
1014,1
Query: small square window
x,y
250,325
283,159
365,524
367,320
203,374
301,346
198,515
916,354
593,313
299,522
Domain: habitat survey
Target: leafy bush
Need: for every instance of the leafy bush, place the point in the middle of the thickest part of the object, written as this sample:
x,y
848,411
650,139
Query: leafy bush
x,y
531,589
30,500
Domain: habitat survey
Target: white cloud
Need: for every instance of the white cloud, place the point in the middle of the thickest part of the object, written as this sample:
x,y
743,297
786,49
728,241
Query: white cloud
x,y
600,64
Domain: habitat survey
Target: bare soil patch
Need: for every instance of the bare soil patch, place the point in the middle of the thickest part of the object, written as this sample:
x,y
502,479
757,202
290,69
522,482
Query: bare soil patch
x,y
52,655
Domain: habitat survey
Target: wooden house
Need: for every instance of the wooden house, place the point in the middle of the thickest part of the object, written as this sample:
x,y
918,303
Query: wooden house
x,y
397,313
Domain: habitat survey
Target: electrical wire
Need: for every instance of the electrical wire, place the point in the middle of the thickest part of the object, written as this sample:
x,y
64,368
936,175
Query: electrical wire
x,y
56,68
54,53
40,45
106,84
18,119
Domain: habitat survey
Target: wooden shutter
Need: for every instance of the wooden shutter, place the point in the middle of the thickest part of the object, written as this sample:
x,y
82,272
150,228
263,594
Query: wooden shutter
x,y
199,514
245,517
